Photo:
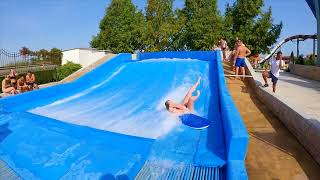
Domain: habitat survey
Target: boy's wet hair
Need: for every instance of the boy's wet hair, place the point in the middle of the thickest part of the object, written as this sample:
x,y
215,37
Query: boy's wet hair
x,y
167,104
279,52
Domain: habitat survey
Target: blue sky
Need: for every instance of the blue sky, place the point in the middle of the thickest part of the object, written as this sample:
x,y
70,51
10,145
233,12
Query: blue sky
x,y
72,23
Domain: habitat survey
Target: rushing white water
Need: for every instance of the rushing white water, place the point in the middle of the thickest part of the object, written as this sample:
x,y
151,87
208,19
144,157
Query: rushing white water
x,y
131,101
87,91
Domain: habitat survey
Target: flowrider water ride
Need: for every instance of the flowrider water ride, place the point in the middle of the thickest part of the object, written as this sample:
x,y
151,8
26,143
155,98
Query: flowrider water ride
x,y
112,123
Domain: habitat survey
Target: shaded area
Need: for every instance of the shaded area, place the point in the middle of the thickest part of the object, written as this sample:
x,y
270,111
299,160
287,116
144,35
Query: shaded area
x,y
274,153
4,131
112,177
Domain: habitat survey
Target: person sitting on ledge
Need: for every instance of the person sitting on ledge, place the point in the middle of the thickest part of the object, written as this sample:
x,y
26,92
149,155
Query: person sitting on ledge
x,y
187,104
276,65
21,85
31,81
13,78
6,87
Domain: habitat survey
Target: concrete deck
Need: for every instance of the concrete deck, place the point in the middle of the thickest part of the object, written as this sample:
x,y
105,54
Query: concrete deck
x,y
302,95
296,103
273,152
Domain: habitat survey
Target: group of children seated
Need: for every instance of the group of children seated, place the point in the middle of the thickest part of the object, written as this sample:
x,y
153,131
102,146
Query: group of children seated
x,y
15,84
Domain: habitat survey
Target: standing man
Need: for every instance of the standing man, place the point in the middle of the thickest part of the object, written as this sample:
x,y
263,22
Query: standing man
x,y
241,53
223,46
276,65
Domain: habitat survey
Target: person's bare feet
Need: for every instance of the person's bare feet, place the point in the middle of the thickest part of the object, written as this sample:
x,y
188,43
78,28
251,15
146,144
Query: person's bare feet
x,y
199,79
198,93
198,82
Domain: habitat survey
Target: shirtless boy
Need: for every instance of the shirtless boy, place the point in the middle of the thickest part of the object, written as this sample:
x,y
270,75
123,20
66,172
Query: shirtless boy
x,y
31,81
21,85
241,53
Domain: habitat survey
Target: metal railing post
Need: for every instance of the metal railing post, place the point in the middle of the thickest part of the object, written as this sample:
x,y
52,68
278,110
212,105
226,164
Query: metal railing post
x,y
15,60
298,53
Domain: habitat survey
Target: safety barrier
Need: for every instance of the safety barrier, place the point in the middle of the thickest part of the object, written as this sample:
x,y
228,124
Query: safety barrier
x,y
236,135
203,55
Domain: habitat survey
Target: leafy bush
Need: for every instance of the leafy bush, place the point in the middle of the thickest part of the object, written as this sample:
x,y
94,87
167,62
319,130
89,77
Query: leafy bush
x,y
299,60
66,70
310,61
43,77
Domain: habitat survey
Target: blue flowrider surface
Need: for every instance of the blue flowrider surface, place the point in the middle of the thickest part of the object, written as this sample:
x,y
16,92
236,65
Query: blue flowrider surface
x,y
194,121
112,121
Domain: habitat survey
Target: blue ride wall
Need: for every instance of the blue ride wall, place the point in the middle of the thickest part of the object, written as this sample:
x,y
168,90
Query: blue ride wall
x,y
200,55
235,133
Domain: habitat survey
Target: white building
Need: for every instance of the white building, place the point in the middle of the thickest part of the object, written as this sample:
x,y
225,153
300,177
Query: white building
x,y
83,56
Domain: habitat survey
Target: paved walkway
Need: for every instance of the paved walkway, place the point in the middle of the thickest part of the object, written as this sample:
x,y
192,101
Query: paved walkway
x,y
302,95
273,152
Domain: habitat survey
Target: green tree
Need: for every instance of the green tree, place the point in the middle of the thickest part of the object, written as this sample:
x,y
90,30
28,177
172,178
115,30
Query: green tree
x,y
56,56
43,54
162,25
311,60
246,20
300,60
177,39
25,51
204,24
121,29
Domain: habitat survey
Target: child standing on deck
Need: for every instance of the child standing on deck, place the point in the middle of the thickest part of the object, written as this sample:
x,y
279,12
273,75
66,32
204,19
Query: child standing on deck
x,y
274,73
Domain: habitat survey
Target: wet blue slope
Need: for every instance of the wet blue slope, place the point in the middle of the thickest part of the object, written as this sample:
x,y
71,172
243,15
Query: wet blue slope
x,y
25,101
183,147
38,147
120,110
133,99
